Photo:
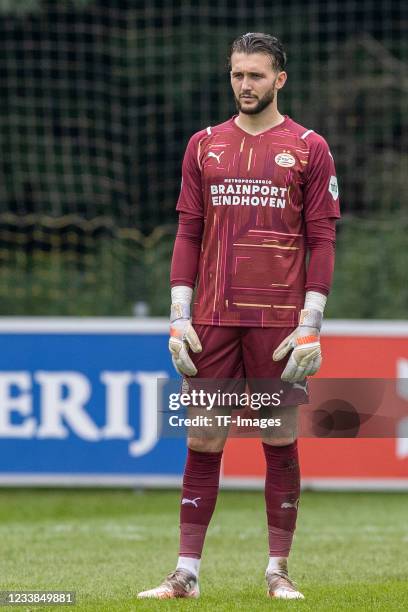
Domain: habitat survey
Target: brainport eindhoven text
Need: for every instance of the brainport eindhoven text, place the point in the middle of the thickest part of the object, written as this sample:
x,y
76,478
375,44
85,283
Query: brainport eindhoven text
x,y
248,194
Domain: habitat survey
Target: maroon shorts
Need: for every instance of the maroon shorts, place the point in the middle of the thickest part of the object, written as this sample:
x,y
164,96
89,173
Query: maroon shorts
x,y
245,354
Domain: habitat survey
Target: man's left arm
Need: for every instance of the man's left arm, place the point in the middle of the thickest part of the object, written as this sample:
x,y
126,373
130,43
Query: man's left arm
x,y
321,209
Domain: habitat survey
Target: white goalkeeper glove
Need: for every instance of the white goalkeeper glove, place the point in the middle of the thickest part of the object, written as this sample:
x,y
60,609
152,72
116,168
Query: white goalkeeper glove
x,y
304,342
182,333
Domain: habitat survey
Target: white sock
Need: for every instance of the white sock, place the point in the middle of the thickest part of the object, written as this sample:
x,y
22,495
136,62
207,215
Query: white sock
x,y
277,563
192,565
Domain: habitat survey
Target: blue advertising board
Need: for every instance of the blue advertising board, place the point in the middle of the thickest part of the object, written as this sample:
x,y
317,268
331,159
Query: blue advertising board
x,y
78,403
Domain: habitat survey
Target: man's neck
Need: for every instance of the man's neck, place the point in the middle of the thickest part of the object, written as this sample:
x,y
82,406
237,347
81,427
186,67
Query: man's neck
x,y
255,124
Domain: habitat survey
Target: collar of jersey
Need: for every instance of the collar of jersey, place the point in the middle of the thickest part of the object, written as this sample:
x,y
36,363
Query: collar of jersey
x,y
271,129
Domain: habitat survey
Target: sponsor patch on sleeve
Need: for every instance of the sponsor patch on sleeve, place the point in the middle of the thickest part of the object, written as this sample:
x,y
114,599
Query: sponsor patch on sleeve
x,y
333,187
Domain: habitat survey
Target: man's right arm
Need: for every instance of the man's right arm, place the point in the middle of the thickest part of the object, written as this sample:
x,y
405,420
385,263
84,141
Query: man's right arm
x,y
185,262
186,252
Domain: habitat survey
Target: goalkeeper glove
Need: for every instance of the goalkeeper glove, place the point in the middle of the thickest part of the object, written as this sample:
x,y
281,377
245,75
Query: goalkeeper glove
x,y
304,342
183,337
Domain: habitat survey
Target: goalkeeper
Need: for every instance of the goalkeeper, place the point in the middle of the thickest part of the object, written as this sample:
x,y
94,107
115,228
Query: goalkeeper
x,y
256,239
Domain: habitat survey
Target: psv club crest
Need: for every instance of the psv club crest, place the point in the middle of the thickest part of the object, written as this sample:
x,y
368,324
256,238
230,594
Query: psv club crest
x,y
286,160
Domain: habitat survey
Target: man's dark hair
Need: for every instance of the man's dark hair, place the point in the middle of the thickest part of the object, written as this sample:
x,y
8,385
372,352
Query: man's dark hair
x,y
258,42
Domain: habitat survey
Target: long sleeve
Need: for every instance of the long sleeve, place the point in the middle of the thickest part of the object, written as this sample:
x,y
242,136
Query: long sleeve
x,y
186,252
320,242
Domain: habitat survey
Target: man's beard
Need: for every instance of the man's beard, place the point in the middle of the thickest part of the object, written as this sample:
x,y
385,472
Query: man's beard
x,y
267,99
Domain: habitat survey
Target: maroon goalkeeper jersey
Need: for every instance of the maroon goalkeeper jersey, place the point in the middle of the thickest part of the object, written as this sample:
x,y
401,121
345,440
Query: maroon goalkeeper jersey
x,y
255,194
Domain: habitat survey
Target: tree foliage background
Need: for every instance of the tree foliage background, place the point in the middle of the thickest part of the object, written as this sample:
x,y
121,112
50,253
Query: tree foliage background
x,y
98,100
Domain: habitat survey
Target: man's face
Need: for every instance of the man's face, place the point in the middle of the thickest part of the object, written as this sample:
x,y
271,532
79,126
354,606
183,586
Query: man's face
x,y
254,81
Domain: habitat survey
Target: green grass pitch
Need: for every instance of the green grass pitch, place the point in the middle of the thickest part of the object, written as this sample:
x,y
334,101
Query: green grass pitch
x,y
349,551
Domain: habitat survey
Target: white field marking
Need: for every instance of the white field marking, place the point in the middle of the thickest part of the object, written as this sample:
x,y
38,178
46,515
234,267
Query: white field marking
x,y
250,534
106,528
347,531
340,538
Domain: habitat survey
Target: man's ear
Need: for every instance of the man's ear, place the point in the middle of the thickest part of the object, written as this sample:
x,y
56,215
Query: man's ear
x,y
281,80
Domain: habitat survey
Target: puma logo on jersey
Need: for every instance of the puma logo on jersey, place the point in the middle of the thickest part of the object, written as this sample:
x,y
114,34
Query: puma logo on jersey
x,y
217,157
289,505
194,501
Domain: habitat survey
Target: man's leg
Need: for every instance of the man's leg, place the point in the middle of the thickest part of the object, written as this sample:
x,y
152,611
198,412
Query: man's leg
x,y
198,497
220,360
282,492
282,482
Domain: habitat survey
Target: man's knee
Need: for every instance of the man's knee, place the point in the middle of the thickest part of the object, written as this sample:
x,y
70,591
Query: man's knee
x,y
280,441
287,431
206,444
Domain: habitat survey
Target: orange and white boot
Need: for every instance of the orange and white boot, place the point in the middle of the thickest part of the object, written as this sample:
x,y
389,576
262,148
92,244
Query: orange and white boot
x,y
180,583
